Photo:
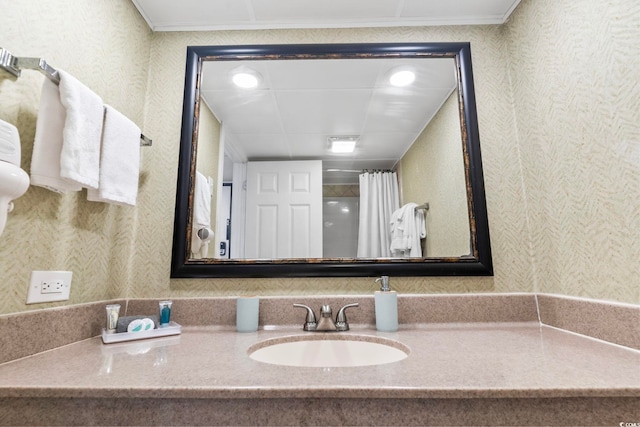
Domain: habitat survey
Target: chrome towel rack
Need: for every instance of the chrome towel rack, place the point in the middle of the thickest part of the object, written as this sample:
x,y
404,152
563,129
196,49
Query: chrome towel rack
x,y
14,65
424,206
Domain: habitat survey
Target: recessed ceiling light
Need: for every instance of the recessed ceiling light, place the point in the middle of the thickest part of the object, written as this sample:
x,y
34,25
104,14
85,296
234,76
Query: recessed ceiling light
x,y
343,144
246,78
402,77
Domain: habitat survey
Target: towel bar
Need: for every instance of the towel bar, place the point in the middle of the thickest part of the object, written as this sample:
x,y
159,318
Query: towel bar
x,y
14,65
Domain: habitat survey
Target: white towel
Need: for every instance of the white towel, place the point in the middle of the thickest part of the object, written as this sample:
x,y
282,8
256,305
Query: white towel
x,y
201,215
407,228
80,156
47,146
202,201
119,160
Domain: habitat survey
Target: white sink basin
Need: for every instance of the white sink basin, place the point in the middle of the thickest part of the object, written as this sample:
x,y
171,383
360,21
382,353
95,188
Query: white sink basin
x,y
328,350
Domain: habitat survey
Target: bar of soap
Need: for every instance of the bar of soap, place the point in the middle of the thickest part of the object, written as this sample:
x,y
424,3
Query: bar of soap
x,y
123,322
140,325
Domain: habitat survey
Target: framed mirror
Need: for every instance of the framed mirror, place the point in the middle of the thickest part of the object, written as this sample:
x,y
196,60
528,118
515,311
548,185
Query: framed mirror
x,y
241,144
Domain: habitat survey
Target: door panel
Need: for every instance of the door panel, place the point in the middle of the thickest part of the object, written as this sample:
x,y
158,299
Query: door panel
x,y
284,209
266,231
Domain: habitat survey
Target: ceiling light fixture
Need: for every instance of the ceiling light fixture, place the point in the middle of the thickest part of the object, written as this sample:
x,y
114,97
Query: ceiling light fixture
x,y
246,78
343,144
402,77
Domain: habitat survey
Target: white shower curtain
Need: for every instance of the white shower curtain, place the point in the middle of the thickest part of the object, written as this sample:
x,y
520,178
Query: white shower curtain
x,y
378,199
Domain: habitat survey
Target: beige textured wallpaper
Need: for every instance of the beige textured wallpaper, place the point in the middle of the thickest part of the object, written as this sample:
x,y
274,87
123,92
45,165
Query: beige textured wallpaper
x,y
575,70
558,113
436,167
105,44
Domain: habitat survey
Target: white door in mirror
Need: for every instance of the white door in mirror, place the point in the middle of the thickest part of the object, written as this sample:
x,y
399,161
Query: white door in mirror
x,y
47,286
284,209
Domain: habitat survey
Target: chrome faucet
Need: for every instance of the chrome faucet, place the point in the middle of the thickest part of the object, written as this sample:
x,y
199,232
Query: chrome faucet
x,y
326,323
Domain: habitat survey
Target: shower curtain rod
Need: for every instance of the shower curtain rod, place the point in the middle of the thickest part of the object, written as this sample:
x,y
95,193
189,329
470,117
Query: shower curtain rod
x,y
14,65
358,170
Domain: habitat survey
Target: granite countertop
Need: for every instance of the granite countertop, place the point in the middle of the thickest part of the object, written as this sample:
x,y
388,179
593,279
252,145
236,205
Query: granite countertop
x,y
452,360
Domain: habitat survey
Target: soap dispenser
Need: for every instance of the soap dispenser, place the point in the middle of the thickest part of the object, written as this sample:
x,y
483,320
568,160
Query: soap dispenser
x,y
386,306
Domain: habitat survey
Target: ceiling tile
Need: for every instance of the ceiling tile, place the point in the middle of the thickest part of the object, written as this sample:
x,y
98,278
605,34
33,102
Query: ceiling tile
x,y
171,14
452,10
250,111
338,112
393,112
207,15
323,74
263,145
313,10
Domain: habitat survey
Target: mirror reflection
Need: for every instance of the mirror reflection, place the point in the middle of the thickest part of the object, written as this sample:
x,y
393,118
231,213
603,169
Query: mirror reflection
x,y
314,160
330,158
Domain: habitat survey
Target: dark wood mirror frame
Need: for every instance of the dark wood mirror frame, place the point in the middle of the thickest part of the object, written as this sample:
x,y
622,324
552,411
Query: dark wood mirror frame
x,y
478,263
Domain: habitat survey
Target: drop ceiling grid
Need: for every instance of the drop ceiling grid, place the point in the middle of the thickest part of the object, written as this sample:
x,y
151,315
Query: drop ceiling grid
x,y
207,15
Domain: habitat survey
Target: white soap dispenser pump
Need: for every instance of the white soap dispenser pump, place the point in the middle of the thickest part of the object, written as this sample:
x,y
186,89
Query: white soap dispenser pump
x,y
386,306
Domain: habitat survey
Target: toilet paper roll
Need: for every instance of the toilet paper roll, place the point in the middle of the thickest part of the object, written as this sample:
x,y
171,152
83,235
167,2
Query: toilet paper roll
x,y
247,311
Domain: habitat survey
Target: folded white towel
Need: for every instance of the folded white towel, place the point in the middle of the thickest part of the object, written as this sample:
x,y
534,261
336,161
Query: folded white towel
x,y
119,161
80,156
201,216
47,146
202,201
407,228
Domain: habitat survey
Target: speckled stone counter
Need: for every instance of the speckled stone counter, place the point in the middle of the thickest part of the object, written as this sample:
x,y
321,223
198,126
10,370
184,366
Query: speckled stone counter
x,y
508,373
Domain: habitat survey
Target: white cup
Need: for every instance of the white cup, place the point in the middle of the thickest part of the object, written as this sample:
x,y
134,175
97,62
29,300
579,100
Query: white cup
x,y
247,309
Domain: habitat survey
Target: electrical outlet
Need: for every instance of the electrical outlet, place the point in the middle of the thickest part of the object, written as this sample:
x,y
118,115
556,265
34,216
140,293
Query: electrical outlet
x,y
52,286
47,286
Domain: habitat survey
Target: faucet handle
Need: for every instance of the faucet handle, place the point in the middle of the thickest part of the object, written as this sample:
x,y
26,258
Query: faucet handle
x,y
310,322
341,318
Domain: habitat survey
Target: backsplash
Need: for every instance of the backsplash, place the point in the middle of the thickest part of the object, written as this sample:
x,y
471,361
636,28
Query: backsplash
x,y
24,334
538,127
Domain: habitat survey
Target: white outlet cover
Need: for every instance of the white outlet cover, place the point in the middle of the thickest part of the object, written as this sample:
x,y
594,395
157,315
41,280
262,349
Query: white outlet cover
x,y
34,292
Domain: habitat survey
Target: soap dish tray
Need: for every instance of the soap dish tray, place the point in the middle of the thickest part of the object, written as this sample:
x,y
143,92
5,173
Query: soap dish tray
x,y
172,329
